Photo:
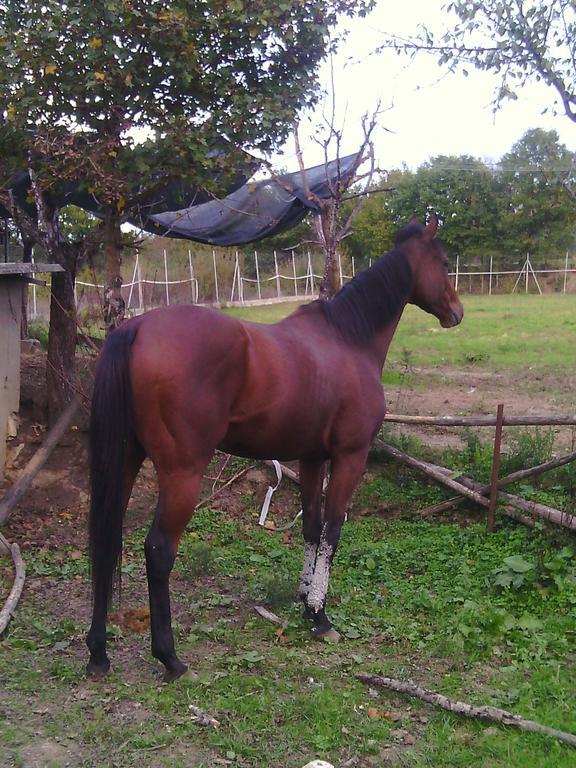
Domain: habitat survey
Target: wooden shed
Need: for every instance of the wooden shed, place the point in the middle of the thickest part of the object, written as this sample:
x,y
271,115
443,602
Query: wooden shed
x,y
14,278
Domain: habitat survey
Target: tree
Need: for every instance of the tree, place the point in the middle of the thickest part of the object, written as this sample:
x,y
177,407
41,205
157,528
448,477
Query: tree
x,y
462,192
373,231
329,224
538,216
125,97
519,40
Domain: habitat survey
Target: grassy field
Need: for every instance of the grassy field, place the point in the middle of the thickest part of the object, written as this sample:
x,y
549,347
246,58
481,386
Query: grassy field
x,y
485,619
497,332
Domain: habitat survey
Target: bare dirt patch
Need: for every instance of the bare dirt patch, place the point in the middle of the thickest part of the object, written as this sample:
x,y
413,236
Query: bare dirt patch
x,y
470,392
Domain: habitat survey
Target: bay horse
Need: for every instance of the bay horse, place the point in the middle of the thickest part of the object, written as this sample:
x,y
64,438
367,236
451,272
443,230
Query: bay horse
x,y
176,384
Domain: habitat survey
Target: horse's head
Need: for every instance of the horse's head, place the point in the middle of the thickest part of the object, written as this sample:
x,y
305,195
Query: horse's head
x,y
432,289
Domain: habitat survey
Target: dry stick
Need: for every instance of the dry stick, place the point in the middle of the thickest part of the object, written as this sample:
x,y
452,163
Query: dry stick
x,y
16,491
20,570
289,473
269,616
200,717
482,421
461,708
216,493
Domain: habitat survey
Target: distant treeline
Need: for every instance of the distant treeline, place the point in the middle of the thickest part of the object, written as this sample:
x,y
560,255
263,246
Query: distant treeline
x,y
525,203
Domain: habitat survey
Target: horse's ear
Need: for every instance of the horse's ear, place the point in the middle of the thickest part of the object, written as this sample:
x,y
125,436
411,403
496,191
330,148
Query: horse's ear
x,y
430,229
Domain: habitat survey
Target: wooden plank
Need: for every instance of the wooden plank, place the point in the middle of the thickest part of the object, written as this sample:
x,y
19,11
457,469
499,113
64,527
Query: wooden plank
x,y
495,469
26,268
482,421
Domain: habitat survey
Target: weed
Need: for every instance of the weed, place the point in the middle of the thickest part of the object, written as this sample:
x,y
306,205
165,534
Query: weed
x,y
197,559
278,590
528,447
514,572
39,330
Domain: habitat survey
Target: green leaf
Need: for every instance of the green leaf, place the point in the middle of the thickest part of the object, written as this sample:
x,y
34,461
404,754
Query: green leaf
x,y
518,564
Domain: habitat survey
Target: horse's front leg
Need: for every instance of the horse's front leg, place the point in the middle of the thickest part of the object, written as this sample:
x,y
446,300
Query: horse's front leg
x,y
311,481
178,496
345,472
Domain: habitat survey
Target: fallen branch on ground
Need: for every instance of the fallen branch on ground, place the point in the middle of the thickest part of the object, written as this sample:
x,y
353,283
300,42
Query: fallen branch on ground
x,y
216,493
472,490
440,474
203,718
468,710
532,507
514,477
289,473
19,488
20,570
269,616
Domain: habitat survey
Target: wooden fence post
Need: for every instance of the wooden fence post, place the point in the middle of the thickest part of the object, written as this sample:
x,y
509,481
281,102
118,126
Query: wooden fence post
x,y
215,275
495,469
294,273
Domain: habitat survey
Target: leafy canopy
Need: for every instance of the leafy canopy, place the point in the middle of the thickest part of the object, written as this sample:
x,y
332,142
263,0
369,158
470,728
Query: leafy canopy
x,y
127,93
518,40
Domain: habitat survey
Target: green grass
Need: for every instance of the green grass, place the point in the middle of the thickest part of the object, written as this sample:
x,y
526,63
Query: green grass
x,y
498,332
504,331
412,599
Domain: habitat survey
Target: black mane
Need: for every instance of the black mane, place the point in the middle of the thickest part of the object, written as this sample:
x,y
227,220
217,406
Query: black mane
x,y
374,297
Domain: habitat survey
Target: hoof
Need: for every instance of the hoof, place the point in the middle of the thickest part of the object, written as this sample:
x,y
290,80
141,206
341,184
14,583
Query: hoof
x,y
187,677
97,671
308,614
176,670
327,635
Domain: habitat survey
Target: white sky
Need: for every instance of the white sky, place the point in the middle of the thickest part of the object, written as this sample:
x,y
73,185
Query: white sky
x,y
425,112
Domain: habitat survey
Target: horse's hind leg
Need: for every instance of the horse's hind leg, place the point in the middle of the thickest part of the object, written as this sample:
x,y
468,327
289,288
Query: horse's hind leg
x,y
103,572
177,499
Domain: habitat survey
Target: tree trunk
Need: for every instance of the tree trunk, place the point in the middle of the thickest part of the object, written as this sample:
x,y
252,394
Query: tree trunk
x,y
331,278
326,228
60,364
60,368
114,305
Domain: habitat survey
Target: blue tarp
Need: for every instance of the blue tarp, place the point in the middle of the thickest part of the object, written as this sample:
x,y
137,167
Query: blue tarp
x,y
255,210
252,211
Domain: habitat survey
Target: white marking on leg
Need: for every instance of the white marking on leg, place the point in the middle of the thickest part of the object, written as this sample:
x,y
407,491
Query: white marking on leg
x,y
319,585
307,569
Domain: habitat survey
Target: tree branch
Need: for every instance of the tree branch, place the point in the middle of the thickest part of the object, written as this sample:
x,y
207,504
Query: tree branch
x,y
493,714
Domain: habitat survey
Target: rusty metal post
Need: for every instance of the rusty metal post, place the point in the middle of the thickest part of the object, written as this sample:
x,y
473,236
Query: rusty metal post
x,y
495,469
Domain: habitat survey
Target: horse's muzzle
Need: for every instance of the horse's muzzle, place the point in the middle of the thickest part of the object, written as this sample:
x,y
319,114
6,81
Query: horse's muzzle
x,y
454,318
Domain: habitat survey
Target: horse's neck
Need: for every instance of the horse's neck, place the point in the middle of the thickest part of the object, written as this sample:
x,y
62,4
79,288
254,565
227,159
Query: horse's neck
x,y
383,338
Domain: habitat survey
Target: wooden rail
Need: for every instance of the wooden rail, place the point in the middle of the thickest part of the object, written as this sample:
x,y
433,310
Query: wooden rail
x,y
483,421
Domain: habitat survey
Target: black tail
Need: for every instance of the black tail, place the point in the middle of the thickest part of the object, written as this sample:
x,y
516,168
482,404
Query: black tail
x,y
111,438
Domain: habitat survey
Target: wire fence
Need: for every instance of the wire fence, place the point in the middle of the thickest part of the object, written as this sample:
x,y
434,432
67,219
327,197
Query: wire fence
x,y
248,280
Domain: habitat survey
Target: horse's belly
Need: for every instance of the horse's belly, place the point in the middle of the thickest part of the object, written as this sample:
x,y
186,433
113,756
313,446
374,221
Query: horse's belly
x,y
268,438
